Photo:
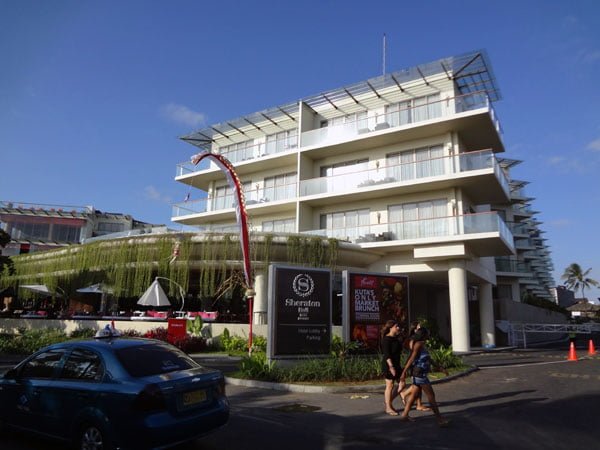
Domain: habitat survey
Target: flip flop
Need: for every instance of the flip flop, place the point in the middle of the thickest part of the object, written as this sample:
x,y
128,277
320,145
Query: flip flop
x,y
392,413
406,419
423,408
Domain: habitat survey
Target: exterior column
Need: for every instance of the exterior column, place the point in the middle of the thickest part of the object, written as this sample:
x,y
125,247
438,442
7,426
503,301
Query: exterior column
x,y
459,308
486,315
260,299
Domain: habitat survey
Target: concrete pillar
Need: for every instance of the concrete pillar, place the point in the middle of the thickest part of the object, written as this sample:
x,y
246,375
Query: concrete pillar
x,y
486,315
260,299
459,308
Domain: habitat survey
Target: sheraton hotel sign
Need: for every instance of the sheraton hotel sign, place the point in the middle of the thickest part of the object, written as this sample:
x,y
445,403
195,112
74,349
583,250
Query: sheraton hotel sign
x,y
300,309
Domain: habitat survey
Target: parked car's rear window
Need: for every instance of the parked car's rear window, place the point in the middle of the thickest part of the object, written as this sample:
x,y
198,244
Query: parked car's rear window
x,y
153,359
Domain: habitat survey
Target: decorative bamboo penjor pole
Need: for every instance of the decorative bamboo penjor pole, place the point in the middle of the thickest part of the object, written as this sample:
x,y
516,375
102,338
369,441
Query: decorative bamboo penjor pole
x,y
242,217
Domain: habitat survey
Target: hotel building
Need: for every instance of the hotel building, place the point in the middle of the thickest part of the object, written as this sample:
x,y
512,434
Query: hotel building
x,y
404,167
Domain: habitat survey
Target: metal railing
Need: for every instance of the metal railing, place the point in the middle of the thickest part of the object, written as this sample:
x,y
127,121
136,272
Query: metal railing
x,y
517,332
402,117
349,130
223,202
439,227
434,167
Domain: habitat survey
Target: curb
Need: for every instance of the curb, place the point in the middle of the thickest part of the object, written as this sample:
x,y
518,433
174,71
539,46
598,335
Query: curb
x,y
319,389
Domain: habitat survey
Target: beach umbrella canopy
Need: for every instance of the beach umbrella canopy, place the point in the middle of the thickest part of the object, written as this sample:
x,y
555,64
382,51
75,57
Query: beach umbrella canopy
x,y
154,296
40,289
98,288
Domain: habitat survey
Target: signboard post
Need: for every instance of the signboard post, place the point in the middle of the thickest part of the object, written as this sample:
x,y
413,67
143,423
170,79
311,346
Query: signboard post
x,y
299,312
369,300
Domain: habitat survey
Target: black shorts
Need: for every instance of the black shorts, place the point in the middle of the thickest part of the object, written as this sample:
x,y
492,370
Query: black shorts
x,y
388,375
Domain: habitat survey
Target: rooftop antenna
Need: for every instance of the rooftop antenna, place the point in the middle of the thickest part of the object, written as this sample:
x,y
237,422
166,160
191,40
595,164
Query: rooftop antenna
x,y
384,52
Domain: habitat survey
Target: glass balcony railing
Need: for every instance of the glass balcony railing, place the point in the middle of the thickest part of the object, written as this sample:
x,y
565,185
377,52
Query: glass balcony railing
x,y
404,116
444,166
441,227
244,153
222,202
511,265
519,228
350,130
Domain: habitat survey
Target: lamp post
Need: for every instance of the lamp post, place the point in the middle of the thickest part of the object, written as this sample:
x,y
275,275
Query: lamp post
x,y
181,291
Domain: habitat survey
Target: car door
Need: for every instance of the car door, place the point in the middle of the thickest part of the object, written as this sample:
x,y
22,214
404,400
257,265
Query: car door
x,y
25,393
78,390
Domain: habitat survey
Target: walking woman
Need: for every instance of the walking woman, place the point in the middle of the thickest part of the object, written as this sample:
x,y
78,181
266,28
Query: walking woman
x,y
391,347
419,359
409,342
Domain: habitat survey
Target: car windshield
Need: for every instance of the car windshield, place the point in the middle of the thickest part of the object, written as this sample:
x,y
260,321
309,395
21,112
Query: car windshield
x,y
153,359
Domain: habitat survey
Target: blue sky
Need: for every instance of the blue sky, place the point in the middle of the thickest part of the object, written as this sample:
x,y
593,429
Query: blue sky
x,y
95,94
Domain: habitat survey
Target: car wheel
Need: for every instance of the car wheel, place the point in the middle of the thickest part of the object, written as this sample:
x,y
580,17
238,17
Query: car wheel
x,y
92,437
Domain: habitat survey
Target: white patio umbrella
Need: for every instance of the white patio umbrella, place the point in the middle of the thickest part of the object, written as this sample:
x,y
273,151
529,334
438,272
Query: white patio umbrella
x,y
40,289
154,296
98,288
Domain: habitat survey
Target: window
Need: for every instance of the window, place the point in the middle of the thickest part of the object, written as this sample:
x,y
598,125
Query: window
x,y
418,163
346,224
341,168
153,359
282,141
42,365
224,196
359,120
25,230
415,110
238,152
279,226
65,233
83,365
111,227
280,187
419,220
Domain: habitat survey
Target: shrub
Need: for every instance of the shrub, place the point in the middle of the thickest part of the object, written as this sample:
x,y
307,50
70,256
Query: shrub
x,y
443,359
187,343
29,341
82,333
332,368
237,344
256,366
159,333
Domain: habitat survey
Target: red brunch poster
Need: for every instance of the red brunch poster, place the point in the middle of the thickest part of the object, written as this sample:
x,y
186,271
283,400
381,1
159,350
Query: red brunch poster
x,y
373,299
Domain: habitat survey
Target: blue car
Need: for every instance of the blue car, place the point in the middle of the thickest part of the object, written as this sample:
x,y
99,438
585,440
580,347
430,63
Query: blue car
x,y
114,393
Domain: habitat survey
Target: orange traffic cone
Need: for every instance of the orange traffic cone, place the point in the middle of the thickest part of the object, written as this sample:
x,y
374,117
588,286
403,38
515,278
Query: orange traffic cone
x,y
572,354
591,349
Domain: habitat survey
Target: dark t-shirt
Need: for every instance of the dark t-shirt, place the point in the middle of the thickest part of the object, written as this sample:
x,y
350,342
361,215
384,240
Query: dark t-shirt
x,y
391,348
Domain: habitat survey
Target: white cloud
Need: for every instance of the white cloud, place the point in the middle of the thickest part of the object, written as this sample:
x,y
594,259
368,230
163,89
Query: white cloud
x,y
152,193
594,145
183,115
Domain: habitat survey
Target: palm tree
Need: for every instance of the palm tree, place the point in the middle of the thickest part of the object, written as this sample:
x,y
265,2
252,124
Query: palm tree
x,y
576,279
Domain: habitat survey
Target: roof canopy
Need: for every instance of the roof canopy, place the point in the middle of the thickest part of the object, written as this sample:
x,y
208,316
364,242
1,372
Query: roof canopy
x,y
471,72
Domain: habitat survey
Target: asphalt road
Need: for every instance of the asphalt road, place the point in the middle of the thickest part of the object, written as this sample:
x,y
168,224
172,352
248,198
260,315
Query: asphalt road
x,y
521,399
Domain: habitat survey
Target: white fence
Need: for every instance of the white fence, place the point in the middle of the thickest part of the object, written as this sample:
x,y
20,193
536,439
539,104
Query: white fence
x,y
517,332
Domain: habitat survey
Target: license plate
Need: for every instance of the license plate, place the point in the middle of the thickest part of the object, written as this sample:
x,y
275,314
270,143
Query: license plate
x,y
194,397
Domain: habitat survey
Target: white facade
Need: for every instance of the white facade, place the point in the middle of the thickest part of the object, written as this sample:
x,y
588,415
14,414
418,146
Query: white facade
x,y
404,165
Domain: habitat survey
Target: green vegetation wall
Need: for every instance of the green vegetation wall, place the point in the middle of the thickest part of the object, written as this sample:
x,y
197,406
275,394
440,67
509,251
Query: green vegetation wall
x,y
129,265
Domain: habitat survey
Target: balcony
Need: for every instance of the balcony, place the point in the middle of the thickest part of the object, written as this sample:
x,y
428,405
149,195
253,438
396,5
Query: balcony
x,y
472,115
478,172
486,233
462,114
508,266
222,207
